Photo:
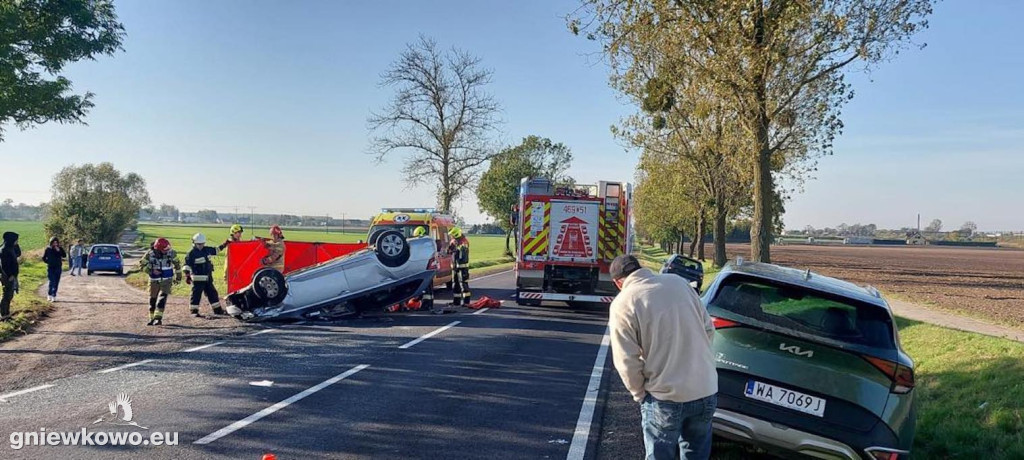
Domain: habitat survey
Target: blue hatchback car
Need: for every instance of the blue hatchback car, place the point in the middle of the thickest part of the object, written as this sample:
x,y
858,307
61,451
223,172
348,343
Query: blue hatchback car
x,y
105,258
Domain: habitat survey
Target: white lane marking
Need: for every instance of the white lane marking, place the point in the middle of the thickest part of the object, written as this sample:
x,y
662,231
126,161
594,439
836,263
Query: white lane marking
x,y
579,438
126,366
492,275
21,392
276,407
481,311
429,335
262,332
262,383
203,347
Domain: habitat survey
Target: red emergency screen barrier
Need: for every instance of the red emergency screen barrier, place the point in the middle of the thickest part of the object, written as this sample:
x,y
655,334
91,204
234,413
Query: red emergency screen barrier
x,y
246,257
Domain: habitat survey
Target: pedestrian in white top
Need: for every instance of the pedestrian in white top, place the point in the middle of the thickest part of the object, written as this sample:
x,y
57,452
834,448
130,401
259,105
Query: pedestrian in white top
x,y
661,339
76,258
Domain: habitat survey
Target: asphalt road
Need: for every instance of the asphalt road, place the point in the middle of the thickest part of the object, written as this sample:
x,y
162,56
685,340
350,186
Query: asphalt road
x,y
512,382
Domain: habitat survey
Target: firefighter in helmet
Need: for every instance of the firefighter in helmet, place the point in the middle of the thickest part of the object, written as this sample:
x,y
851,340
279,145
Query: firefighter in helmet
x,y
234,236
275,249
426,301
459,248
161,262
199,273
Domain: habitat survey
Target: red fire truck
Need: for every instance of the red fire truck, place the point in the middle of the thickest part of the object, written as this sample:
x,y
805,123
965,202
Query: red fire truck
x,y
568,236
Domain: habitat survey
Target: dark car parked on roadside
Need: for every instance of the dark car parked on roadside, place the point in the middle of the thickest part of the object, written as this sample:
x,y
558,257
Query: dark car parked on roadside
x,y
809,365
692,270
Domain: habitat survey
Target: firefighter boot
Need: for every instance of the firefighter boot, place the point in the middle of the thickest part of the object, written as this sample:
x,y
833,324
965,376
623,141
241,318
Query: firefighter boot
x,y
218,310
152,311
194,311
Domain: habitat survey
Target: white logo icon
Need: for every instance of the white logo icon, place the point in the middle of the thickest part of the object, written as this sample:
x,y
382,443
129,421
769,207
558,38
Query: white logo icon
x,y
796,350
123,406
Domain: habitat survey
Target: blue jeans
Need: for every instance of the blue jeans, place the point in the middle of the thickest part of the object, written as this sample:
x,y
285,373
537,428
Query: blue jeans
x,y
53,273
674,430
76,264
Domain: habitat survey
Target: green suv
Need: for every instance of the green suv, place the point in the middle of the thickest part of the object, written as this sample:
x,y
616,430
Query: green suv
x,y
809,365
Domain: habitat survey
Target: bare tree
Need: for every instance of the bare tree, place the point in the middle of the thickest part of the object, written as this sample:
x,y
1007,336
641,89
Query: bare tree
x,y
440,115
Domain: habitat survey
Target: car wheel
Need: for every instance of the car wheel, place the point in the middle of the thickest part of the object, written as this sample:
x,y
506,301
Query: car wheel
x,y
392,248
88,273
269,286
120,272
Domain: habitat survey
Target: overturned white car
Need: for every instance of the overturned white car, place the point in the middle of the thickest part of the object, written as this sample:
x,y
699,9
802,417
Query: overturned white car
x,y
392,269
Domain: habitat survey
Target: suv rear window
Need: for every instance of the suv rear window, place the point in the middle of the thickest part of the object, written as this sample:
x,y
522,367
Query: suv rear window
x,y
104,250
780,306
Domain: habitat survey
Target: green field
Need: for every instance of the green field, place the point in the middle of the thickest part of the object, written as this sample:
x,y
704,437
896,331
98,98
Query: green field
x,y
27,306
484,250
30,234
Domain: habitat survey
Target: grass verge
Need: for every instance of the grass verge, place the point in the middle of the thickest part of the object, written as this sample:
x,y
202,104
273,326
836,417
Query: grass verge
x,y
970,393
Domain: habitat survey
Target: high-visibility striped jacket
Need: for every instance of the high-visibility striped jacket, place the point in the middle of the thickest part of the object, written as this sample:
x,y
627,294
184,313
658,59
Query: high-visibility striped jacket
x,y
199,263
459,248
160,265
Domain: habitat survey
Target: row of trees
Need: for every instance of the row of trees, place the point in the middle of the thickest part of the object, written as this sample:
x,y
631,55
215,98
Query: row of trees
x,y
735,95
22,211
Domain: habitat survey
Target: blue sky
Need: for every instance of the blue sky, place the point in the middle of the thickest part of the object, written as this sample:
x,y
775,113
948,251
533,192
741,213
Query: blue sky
x,y
262,103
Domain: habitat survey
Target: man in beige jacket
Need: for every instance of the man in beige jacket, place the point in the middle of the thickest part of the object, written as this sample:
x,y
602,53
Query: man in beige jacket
x,y
661,338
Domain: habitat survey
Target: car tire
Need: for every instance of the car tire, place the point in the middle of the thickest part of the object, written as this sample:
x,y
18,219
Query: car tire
x,y
268,285
88,273
120,272
392,248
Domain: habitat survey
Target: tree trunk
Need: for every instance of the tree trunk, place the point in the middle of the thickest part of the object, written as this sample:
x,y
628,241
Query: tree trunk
x,y
702,223
761,228
693,241
719,231
682,242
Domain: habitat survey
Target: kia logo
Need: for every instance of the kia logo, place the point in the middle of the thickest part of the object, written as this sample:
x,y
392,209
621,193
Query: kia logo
x,y
796,350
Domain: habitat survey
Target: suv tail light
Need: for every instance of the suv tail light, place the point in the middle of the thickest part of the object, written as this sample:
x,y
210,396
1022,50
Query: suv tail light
x,y
902,376
882,453
720,323
432,263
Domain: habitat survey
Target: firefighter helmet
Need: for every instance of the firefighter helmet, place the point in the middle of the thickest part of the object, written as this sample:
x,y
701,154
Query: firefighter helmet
x,y
199,238
162,244
276,232
236,229
455,232
420,231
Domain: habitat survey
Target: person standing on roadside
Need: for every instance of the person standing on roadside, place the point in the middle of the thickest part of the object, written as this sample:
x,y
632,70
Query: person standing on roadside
x,y
10,252
54,256
661,338
76,258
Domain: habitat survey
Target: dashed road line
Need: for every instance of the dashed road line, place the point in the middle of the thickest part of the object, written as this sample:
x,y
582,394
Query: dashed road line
x,y
578,448
264,331
429,335
21,392
126,366
481,311
203,347
276,407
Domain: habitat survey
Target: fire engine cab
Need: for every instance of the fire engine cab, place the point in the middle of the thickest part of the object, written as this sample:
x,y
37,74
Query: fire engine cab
x,y
568,236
